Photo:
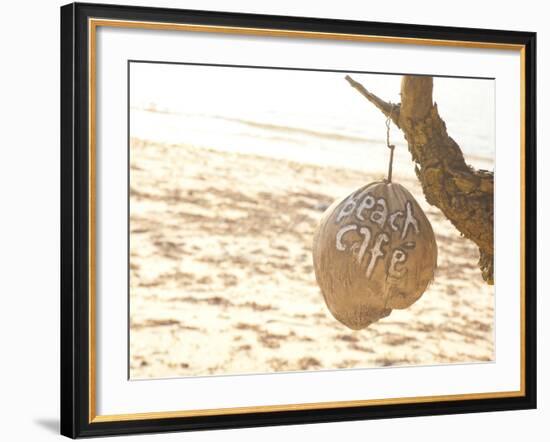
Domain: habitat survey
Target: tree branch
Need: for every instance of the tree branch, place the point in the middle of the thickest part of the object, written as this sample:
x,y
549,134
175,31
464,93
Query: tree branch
x,y
463,194
388,109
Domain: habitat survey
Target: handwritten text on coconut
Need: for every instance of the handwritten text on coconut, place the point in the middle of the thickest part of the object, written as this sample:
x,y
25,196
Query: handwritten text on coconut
x,y
378,216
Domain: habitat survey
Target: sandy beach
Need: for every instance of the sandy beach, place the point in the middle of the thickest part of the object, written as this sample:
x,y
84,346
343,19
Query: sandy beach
x,y
222,282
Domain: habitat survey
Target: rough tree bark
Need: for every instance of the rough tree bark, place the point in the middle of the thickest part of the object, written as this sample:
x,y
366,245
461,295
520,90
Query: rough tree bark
x,y
463,194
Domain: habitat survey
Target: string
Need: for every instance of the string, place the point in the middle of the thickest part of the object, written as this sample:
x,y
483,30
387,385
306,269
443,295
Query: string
x,y
390,146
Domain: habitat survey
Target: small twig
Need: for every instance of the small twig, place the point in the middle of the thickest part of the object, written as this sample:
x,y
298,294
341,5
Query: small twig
x,y
388,109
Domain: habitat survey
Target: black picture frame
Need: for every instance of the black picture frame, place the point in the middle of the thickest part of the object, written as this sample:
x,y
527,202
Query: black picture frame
x,y
75,221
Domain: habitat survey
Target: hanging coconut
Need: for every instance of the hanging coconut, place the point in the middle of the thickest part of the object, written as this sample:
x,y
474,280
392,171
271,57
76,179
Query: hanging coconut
x,y
373,251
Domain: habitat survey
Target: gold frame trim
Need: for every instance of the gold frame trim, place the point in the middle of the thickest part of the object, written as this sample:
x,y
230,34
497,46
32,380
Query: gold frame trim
x,y
93,24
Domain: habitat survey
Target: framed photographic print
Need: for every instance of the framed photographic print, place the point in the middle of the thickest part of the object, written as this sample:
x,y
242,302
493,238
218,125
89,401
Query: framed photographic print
x,y
272,220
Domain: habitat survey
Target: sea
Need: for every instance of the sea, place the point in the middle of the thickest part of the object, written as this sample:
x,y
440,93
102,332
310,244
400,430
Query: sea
x,y
304,116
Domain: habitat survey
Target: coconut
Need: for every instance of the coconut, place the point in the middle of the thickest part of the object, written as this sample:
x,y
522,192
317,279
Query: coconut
x,y
373,251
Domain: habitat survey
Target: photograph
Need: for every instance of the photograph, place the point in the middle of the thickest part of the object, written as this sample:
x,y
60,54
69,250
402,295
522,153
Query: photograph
x,y
276,220
287,219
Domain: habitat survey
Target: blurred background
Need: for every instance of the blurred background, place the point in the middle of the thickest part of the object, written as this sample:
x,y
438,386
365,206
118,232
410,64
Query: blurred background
x,y
271,112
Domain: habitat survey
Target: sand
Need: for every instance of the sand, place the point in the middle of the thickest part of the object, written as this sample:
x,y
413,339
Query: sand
x,y
222,282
